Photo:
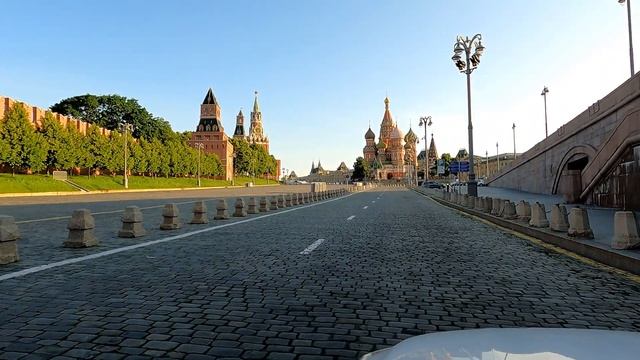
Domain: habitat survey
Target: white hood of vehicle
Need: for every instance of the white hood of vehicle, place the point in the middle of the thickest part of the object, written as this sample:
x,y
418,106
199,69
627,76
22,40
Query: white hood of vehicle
x,y
516,344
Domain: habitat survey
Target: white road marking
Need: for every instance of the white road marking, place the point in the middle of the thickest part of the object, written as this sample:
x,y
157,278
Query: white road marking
x,y
373,202
312,247
351,217
365,207
39,268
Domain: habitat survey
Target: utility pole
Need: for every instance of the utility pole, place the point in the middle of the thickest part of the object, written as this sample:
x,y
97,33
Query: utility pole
x,y
514,140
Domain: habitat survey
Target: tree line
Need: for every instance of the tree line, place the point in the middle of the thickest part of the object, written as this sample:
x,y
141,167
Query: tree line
x,y
252,159
55,147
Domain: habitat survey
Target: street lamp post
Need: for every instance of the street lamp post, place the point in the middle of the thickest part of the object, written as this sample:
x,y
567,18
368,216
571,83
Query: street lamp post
x,y
498,156
514,140
199,146
545,90
486,155
630,34
126,127
469,46
425,121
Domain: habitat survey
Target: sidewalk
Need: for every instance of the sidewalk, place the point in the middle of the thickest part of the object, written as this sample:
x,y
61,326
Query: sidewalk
x,y
601,219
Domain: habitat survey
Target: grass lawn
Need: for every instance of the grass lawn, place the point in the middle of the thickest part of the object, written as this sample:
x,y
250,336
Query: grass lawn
x,y
138,182
31,183
43,183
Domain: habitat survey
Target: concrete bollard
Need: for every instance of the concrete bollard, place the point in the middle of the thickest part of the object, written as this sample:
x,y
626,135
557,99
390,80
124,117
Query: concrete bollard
x,y
301,199
81,226
538,216
170,220
132,223
488,205
559,220
263,204
625,231
495,206
9,235
509,210
523,210
199,213
239,206
294,199
579,223
280,201
274,203
221,210
252,206
465,200
287,201
478,205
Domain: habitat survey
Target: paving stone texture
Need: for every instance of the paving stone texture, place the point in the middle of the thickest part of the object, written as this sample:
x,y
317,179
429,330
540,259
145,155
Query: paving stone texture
x,y
404,266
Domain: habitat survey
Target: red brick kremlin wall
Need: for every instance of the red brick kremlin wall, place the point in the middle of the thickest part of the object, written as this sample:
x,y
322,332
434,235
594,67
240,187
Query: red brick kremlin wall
x,y
36,115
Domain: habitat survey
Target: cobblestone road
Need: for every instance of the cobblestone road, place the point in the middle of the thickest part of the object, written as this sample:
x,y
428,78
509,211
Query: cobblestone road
x,y
400,267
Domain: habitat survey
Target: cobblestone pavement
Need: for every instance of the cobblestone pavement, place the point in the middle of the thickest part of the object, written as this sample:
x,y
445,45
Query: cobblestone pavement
x,y
400,267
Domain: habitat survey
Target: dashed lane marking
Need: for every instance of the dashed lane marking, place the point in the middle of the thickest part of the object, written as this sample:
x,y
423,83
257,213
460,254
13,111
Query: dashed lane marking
x,y
312,247
373,201
351,217
39,268
365,207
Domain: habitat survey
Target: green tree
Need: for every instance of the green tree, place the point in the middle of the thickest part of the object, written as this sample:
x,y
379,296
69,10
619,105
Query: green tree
x,y
52,132
446,157
23,146
73,152
98,149
109,111
244,158
360,169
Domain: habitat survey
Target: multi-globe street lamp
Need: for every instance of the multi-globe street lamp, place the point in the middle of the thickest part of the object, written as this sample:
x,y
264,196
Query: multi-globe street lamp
x,y
473,49
630,35
199,146
125,128
544,93
425,121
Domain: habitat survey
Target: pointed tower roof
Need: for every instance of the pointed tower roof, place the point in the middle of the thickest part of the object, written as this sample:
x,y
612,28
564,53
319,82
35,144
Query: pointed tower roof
x,y
239,131
209,99
433,152
256,106
369,134
387,119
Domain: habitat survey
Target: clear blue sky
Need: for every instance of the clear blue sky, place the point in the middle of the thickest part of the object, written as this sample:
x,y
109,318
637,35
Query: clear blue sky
x,y
323,68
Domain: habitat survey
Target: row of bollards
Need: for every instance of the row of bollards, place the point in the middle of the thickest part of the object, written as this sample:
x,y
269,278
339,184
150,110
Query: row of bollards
x,y
81,225
573,222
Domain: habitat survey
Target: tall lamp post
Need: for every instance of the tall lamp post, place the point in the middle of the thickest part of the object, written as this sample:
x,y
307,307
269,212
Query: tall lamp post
x,y
126,127
630,35
473,50
425,121
514,140
486,155
498,156
199,146
545,90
